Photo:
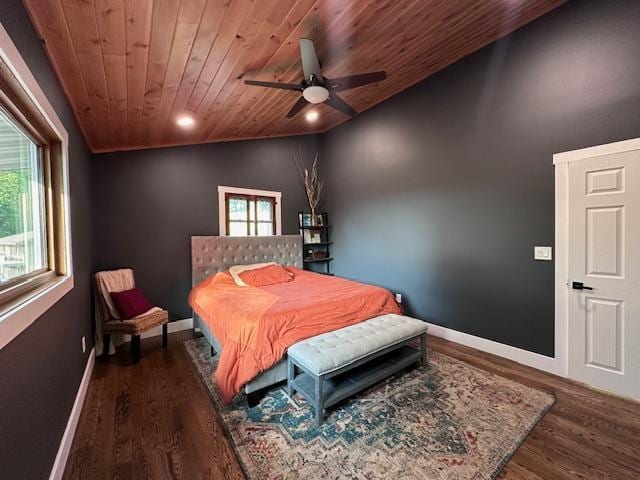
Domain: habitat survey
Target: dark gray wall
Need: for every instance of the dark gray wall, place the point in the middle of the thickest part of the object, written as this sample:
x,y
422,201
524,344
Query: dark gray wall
x,y
41,369
442,192
147,204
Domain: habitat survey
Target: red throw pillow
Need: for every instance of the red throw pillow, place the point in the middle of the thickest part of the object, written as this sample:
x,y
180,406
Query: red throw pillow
x,y
269,275
130,303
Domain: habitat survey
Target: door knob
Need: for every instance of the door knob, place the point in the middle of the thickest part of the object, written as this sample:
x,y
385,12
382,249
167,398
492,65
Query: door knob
x,y
580,286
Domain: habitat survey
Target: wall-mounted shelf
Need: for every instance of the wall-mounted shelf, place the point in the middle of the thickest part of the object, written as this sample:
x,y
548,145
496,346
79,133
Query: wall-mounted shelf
x,y
317,260
315,227
316,242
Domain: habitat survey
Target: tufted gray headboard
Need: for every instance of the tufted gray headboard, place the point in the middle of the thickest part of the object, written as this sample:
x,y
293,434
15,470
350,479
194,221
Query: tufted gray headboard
x,y
210,255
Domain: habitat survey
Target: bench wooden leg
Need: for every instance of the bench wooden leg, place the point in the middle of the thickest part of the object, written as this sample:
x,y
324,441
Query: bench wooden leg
x,y
106,341
165,335
135,348
423,349
319,398
291,374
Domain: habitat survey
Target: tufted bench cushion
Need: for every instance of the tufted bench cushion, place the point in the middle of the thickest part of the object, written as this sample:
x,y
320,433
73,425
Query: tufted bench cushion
x,y
335,350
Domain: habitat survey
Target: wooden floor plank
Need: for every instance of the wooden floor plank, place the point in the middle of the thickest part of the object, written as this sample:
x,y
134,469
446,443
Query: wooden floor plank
x,y
156,420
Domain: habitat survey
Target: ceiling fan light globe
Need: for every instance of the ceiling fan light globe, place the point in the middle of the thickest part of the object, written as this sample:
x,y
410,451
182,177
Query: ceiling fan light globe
x,y
315,94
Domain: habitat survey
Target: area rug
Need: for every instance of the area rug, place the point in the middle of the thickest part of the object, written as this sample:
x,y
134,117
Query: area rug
x,y
446,420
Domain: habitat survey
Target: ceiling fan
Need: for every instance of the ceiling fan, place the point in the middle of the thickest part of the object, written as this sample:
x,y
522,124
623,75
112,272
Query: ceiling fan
x,y
318,89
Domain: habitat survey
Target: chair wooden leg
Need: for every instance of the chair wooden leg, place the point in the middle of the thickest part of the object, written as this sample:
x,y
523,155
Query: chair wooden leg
x,y
106,341
165,339
135,348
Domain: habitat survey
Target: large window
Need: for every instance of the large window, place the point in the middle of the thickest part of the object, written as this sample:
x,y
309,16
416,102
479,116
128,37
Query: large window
x,y
35,269
246,212
23,242
35,265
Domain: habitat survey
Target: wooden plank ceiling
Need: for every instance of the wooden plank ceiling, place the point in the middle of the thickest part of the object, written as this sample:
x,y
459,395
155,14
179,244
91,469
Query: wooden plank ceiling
x,y
131,67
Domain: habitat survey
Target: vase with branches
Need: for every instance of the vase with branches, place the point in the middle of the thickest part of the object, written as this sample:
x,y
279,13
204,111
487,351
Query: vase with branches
x,y
310,181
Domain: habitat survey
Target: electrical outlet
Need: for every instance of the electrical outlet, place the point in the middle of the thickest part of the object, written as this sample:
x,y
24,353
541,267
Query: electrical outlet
x,y
399,297
542,253
84,344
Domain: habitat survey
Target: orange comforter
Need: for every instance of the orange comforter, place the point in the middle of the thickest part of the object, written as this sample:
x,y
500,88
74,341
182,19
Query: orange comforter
x,y
256,325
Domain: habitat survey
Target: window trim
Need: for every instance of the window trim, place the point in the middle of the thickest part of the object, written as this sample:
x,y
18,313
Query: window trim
x,y
222,207
24,308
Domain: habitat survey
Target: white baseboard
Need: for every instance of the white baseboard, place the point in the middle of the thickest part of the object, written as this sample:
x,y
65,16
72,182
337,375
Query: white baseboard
x,y
531,359
69,432
177,326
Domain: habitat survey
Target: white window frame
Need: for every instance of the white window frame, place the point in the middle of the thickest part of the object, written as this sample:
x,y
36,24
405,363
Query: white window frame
x,y
222,210
38,301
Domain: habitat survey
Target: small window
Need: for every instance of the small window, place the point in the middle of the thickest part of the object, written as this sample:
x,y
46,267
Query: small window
x,y
249,215
246,212
23,241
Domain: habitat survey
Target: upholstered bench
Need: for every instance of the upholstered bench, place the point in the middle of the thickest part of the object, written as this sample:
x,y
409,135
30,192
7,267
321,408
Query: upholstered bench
x,y
337,364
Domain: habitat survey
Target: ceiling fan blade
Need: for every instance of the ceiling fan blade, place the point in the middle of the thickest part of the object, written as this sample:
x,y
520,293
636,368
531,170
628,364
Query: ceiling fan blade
x,y
310,63
299,105
353,81
334,101
281,86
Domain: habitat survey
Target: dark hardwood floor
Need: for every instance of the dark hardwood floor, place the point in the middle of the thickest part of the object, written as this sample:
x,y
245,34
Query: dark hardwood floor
x,y
155,420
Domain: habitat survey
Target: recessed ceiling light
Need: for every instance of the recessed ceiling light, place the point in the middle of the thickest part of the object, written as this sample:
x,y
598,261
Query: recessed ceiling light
x,y
312,116
185,121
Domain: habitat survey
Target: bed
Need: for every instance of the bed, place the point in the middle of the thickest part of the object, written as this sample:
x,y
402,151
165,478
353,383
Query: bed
x,y
252,327
211,254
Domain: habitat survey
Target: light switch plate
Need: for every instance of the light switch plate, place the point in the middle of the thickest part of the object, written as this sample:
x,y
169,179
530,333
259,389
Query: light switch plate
x,y
542,253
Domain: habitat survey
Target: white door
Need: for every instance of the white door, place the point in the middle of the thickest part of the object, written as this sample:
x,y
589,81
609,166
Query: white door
x,y
604,256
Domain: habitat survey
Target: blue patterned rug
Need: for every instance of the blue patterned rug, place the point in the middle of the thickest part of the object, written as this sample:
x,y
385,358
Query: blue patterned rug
x,y
446,420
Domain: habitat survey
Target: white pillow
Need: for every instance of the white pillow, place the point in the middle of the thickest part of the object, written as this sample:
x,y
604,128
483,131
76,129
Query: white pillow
x,y
236,270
